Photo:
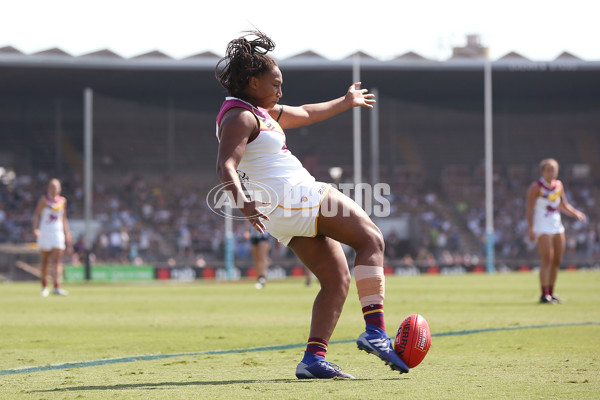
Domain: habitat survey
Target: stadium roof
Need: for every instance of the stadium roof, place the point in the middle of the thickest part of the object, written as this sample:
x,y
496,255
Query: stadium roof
x,y
361,54
102,53
9,50
153,54
513,56
205,55
454,82
105,58
565,55
411,55
308,54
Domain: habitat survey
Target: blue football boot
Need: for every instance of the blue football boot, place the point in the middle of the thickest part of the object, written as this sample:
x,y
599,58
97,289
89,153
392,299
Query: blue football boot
x,y
376,341
315,367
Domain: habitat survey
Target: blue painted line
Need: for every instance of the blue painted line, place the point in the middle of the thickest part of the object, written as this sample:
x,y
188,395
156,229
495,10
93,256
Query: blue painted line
x,y
95,363
511,328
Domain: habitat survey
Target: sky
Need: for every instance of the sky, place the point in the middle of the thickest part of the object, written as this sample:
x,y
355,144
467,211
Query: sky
x,y
539,30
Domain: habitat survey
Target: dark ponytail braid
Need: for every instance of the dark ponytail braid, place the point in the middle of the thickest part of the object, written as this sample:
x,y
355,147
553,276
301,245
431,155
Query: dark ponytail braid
x,y
244,59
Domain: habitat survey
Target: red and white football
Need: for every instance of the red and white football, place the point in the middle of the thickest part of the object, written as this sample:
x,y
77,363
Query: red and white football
x,y
413,340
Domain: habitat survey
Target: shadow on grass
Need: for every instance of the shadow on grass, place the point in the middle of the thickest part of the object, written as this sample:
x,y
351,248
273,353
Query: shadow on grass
x,y
157,385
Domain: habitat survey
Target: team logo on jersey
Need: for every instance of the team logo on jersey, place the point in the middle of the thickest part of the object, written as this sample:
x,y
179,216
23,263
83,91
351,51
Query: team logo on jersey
x,y
270,125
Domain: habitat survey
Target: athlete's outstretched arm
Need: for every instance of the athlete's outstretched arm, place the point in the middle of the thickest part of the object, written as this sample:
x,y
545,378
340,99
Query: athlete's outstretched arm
x,y
293,117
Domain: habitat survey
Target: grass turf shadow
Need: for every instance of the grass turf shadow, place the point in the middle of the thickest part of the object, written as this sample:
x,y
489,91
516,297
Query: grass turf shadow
x,y
156,385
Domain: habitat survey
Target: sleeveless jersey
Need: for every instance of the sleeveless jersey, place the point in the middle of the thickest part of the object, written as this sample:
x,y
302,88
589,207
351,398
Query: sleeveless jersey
x,y
268,170
51,220
546,217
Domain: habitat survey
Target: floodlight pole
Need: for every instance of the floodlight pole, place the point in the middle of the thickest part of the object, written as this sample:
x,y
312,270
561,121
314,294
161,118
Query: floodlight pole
x,y
357,135
374,113
170,137
88,114
59,136
229,244
489,167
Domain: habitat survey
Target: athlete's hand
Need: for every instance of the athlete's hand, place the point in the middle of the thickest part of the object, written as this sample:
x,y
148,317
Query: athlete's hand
x,y
36,233
359,97
531,234
580,216
254,215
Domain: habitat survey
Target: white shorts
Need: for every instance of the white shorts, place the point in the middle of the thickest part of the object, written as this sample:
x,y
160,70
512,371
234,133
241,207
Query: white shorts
x,y
297,214
548,231
53,240
547,225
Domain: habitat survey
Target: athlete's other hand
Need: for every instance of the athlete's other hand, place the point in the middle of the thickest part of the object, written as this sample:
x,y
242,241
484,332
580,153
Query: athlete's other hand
x,y
359,97
531,234
254,215
580,216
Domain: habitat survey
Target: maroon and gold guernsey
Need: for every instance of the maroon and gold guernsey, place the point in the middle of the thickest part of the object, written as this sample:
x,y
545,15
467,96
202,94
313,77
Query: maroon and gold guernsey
x,y
267,161
546,214
51,220
52,234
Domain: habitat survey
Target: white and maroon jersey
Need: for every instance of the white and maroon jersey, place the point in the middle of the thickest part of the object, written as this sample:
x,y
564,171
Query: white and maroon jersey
x,y
51,220
546,213
267,166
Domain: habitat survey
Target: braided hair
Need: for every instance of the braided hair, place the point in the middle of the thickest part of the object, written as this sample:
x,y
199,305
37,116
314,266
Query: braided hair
x,y
244,59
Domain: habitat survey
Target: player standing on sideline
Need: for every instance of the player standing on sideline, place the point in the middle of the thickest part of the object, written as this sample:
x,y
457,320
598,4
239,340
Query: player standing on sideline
x,y
545,200
252,148
260,246
51,229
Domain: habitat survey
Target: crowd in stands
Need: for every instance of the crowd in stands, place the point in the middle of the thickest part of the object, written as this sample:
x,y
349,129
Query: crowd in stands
x,y
145,220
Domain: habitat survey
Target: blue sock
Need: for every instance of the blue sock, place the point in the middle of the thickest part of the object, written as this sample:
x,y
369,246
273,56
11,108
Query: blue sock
x,y
310,358
374,328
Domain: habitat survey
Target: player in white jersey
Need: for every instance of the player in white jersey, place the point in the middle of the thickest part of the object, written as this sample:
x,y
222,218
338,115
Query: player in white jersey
x,y
294,208
545,201
51,228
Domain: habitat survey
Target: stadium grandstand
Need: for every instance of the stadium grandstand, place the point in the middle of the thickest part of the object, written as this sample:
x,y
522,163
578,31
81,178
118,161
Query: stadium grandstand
x,y
154,150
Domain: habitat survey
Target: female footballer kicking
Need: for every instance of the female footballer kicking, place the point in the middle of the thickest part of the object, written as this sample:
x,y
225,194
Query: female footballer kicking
x,y
310,217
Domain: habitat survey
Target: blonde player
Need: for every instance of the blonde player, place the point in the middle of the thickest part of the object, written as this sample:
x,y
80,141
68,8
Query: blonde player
x,y
545,201
51,229
310,217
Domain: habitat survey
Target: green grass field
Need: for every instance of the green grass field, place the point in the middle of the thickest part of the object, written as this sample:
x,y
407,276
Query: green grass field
x,y
558,358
